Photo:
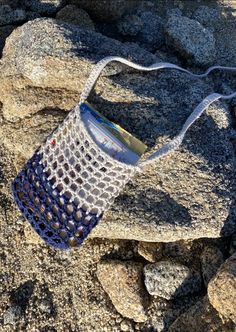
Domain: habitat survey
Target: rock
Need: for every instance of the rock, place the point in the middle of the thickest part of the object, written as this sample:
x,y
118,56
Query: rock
x,y
151,36
45,306
30,16
5,31
74,15
191,39
122,281
31,236
140,213
130,25
200,317
168,57
174,12
126,326
9,16
168,280
162,313
222,289
54,51
12,3
150,251
225,36
189,252
211,260
176,249
186,195
232,249
209,17
147,27
48,7
12,315
106,10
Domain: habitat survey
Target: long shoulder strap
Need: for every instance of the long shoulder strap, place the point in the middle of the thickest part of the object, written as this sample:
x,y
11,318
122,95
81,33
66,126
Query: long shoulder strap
x,y
174,143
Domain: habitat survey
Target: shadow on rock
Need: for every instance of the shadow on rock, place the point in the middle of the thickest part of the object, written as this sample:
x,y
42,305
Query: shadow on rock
x,y
154,204
20,297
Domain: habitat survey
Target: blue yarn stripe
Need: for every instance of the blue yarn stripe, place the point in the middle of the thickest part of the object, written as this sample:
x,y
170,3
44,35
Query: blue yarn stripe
x,y
46,210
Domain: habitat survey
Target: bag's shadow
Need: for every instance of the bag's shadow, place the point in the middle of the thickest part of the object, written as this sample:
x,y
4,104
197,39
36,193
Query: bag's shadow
x,y
155,204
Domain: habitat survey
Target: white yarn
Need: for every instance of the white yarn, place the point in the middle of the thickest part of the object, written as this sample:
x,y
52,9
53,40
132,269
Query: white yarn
x,y
80,170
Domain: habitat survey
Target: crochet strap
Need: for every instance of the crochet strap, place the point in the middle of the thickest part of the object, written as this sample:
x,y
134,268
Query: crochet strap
x,y
175,142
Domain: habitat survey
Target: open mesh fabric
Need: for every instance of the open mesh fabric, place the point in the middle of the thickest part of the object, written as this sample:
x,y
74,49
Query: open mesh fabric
x,y
70,181
58,222
79,169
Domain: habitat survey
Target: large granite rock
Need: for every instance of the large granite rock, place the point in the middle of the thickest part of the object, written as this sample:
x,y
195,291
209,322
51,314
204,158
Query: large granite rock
x,y
186,195
222,289
56,57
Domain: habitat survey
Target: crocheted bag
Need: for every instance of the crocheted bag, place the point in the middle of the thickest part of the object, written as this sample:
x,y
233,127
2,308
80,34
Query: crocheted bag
x,y
70,181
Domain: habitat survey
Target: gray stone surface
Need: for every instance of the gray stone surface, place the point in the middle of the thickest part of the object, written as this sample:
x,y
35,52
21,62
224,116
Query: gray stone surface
x,y
30,15
209,17
144,28
106,10
48,7
147,27
12,3
74,15
10,16
225,37
168,279
12,315
151,36
130,25
186,195
191,39
211,260
173,12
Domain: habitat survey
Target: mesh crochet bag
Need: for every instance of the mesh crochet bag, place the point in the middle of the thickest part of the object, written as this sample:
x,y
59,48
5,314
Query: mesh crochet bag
x,y
70,181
